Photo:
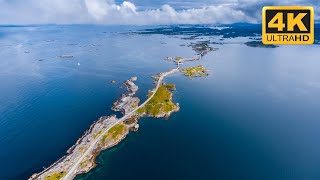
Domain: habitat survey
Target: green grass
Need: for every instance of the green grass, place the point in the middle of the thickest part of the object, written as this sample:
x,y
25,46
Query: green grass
x,y
55,176
84,163
116,130
195,71
141,110
104,137
160,103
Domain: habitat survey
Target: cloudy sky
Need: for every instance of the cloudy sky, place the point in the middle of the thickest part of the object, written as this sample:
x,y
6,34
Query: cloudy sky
x,y
140,12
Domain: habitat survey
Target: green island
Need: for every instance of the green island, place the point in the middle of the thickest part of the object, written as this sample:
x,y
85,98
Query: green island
x,y
161,104
55,176
197,71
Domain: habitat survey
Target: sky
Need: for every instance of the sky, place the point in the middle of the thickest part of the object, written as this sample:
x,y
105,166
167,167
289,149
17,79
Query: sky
x,y
138,12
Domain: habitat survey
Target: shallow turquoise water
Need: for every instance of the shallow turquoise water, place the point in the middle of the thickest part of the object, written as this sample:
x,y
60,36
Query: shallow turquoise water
x,y
255,117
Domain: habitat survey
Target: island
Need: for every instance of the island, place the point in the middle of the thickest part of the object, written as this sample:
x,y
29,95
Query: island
x,y
259,44
197,71
202,47
161,104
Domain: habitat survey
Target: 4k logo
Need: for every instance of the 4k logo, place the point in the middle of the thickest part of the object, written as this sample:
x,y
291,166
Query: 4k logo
x,y
287,25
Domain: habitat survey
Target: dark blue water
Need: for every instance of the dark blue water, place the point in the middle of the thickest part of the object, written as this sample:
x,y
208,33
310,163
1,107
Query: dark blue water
x,y
255,117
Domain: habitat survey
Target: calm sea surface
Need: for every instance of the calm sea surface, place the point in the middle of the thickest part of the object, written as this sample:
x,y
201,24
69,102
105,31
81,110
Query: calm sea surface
x,y
257,116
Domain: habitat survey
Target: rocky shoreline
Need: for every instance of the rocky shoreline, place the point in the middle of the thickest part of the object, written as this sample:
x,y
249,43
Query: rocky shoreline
x,y
72,153
91,162
127,102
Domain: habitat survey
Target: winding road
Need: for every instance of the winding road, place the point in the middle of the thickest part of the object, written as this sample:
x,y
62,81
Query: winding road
x,y
72,172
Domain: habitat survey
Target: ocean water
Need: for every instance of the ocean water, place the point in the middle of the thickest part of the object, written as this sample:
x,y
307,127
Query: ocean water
x,y
255,117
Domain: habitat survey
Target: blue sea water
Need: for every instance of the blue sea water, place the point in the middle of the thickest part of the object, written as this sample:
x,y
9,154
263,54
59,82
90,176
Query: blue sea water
x,y
255,117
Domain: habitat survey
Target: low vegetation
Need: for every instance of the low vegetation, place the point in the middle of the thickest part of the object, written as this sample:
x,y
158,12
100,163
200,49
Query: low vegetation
x,y
81,148
197,71
171,87
55,176
85,163
160,103
97,134
116,130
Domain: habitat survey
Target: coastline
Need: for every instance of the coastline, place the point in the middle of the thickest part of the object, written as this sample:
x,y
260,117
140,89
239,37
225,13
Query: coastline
x,y
97,152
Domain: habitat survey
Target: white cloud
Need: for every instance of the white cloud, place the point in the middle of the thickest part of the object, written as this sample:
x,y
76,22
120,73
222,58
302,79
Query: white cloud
x,y
108,12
